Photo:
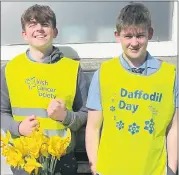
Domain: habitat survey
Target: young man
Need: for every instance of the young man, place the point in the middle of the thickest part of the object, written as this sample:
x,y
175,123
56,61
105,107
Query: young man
x,y
133,99
43,83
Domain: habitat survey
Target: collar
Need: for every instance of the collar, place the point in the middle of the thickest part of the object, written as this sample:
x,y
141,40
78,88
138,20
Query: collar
x,y
55,56
150,61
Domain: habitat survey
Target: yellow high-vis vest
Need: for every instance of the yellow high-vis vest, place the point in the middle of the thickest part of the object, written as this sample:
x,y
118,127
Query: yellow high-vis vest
x,y
137,110
33,85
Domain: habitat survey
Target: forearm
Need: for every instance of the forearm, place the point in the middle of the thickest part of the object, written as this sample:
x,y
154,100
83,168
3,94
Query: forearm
x,y
7,121
75,120
92,143
9,124
172,150
172,145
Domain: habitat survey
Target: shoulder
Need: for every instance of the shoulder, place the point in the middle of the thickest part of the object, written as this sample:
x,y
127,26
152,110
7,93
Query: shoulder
x,y
3,67
17,58
96,75
169,66
70,60
110,61
153,62
69,64
109,64
157,62
94,83
109,67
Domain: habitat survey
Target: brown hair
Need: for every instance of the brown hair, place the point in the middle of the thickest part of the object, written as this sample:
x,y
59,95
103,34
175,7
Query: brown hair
x,y
41,13
134,14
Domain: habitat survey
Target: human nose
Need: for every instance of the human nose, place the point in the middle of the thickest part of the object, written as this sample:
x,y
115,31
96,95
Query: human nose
x,y
39,27
134,42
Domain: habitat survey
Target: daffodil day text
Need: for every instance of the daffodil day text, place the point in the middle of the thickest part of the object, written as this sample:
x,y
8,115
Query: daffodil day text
x,y
137,94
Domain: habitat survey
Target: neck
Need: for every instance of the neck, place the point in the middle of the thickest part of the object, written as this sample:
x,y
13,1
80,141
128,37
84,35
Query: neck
x,y
40,54
135,62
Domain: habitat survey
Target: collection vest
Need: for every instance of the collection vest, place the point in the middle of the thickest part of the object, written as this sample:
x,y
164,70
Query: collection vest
x,y
137,110
33,85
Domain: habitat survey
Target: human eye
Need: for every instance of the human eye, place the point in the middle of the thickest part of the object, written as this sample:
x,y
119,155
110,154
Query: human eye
x,y
31,25
45,24
140,36
128,36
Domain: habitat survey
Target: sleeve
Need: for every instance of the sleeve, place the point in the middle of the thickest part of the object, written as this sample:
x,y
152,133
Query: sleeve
x,y
7,121
94,97
78,117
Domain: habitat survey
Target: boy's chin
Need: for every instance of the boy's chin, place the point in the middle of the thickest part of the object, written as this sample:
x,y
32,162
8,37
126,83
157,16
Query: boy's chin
x,y
135,56
42,47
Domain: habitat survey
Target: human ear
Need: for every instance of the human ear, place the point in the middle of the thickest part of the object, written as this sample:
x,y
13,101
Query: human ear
x,y
55,32
150,33
117,36
24,35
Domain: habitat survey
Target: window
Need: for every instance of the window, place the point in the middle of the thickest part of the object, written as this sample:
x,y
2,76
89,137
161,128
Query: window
x,y
88,28
84,22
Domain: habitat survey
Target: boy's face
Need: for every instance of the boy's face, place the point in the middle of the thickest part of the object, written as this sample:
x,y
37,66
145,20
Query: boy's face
x,y
39,36
134,41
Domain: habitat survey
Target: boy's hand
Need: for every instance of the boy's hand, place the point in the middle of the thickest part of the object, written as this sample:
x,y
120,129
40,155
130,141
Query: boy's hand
x,y
93,169
28,125
57,110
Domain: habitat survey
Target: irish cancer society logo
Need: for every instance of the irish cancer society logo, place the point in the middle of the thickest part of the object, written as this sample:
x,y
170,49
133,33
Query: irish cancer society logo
x,y
42,87
31,82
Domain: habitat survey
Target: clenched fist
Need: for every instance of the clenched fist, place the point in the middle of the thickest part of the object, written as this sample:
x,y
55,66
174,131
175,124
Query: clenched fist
x,y
57,110
28,125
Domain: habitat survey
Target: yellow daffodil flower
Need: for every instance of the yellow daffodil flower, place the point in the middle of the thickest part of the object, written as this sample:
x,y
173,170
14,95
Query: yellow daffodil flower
x,y
44,150
5,140
58,145
31,165
24,152
14,157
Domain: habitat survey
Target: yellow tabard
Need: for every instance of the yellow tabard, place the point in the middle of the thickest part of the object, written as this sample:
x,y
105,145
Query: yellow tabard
x,y
137,110
33,85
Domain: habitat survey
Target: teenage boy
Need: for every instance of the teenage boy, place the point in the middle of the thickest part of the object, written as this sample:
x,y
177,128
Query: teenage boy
x,y
43,83
134,99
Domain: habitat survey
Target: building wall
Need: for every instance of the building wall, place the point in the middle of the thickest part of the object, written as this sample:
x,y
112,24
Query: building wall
x,y
93,64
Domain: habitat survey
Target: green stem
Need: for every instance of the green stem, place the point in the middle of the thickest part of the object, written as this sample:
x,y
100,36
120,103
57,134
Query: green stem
x,y
51,165
54,165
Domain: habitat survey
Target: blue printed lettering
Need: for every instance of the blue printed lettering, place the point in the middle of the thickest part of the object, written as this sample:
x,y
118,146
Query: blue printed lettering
x,y
122,104
139,94
123,92
146,96
130,107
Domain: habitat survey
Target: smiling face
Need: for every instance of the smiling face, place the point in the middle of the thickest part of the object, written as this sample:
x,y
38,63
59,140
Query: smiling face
x,y
39,35
133,31
134,41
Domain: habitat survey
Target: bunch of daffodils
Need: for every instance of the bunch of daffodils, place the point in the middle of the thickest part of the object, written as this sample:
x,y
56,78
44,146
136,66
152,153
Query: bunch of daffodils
x,y
37,154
